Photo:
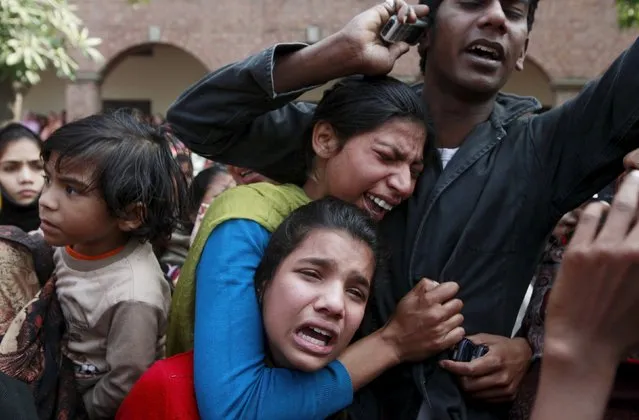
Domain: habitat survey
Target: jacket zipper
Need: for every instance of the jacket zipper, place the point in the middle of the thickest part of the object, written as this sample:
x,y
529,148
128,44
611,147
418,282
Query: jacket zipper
x,y
422,376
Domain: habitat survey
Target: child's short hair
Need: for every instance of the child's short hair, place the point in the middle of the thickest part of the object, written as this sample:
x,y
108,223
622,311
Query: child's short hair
x,y
132,165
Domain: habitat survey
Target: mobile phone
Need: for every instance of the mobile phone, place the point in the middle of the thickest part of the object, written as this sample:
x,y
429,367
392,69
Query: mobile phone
x,y
466,351
410,33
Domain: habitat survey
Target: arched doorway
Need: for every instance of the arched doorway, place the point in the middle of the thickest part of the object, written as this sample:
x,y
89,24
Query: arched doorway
x,y
532,81
149,77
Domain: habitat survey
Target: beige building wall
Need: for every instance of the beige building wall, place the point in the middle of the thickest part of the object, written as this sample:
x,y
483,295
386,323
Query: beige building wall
x,y
159,78
162,77
561,43
46,96
532,81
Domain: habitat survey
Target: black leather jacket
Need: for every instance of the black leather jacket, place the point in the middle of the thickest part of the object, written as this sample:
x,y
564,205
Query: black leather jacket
x,y
481,222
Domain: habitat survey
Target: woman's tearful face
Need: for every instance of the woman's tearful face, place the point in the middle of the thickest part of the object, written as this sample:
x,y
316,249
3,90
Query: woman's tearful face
x,y
316,300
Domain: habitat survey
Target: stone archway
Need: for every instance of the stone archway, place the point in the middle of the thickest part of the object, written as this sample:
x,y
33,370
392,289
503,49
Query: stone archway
x,y
149,76
155,73
532,81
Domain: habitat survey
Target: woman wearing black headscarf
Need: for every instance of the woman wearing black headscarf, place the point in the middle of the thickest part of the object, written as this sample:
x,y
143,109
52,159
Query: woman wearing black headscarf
x,y
21,177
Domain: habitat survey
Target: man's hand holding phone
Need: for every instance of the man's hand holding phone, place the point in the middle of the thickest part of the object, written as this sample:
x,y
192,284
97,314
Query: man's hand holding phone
x,y
376,56
410,33
496,374
357,48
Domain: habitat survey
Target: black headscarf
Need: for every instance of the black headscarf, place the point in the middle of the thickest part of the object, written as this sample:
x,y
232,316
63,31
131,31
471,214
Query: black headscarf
x,y
12,213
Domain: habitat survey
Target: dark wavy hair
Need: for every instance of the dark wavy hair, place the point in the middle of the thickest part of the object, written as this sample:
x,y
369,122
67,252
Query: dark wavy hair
x,y
132,165
360,104
327,213
13,132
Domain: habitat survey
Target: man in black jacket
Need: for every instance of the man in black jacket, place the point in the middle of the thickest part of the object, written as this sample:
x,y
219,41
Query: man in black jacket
x,y
482,211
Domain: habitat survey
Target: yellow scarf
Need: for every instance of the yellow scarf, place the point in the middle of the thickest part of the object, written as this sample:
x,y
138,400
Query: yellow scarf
x,y
263,203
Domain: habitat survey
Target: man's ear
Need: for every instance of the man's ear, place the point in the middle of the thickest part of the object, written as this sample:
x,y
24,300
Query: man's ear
x,y
133,218
519,65
325,142
424,45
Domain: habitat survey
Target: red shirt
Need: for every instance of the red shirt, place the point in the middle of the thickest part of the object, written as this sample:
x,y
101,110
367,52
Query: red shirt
x,y
164,392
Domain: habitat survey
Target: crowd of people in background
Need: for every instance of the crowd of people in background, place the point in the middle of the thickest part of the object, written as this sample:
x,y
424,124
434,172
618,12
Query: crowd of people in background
x,y
44,125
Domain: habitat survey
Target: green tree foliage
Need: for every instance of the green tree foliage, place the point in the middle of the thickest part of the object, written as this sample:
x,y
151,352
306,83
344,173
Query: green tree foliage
x,y
36,35
628,13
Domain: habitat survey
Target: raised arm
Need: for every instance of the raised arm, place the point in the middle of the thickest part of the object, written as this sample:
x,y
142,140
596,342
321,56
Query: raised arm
x,y
234,116
243,113
580,145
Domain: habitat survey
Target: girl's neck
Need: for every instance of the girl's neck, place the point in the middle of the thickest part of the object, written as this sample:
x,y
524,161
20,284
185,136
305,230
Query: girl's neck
x,y
102,246
313,190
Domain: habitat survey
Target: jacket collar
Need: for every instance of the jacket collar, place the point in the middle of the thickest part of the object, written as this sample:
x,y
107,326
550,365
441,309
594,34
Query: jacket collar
x,y
508,107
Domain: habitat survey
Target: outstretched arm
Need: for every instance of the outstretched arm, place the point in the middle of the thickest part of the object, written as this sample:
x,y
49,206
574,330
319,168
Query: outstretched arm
x,y
243,114
581,144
